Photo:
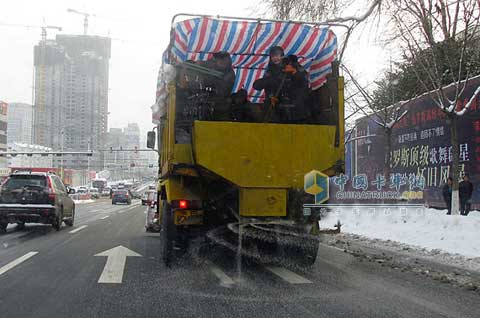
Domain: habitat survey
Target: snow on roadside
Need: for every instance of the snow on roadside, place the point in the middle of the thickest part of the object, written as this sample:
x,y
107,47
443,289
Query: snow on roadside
x,y
429,229
83,201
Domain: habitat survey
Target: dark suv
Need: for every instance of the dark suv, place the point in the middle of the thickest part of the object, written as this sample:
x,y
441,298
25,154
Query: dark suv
x,y
36,197
121,196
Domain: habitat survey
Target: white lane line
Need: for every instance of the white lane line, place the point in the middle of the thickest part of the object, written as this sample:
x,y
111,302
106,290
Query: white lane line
x,y
16,262
288,276
78,229
105,217
225,281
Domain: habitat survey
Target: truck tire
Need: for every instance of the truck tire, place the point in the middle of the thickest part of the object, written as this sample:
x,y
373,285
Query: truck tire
x,y
20,225
167,234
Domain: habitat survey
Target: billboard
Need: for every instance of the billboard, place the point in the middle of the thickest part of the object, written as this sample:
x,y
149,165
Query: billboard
x,y
421,144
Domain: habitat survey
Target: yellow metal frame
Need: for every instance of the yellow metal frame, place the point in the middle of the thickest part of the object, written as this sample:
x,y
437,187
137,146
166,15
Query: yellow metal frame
x,y
263,160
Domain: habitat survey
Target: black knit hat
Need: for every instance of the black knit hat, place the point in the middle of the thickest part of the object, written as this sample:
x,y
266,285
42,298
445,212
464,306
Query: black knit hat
x,y
274,50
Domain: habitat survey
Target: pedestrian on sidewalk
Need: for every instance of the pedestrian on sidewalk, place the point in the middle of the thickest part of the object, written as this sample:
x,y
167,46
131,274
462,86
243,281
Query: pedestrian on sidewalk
x,y
465,191
447,194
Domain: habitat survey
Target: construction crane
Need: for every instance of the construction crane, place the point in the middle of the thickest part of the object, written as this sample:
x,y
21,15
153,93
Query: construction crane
x,y
86,15
42,27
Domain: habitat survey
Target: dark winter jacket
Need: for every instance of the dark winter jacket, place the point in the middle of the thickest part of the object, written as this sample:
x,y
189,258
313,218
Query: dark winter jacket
x,y
223,86
447,193
465,190
288,88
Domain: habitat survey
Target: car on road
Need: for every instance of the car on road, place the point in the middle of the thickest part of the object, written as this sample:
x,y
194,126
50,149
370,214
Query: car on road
x,y
148,197
35,197
106,192
94,193
82,190
151,222
121,196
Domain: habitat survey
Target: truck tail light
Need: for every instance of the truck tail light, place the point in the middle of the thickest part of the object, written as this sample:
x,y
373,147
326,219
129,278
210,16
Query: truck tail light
x,y
182,204
187,204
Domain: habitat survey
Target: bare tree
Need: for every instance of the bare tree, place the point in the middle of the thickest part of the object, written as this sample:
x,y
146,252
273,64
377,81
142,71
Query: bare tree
x,y
308,10
436,36
328,12
385,116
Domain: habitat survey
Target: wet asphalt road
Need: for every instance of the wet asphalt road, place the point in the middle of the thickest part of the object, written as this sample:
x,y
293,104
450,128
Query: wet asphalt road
x,y
61,279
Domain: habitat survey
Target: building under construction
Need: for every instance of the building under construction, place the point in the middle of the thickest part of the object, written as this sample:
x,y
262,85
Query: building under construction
x,y
71,97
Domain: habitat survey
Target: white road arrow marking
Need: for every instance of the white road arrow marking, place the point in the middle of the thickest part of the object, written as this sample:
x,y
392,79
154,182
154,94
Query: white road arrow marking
x,y
16,262
113,270
105,217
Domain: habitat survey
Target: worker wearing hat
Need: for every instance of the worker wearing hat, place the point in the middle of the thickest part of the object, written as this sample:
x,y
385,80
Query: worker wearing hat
x,y
285,84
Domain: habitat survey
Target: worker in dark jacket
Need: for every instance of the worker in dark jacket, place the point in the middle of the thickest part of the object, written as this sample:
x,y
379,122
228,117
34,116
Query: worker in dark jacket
x,y
285,84
447,194
222,62
465,191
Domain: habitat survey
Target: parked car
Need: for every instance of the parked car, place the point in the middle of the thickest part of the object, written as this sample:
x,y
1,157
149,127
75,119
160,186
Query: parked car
x,y
148,197
82,190
121,196
151,222
36,197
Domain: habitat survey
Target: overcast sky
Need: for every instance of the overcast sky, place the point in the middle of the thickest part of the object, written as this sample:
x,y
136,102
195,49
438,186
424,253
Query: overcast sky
x,y
140,33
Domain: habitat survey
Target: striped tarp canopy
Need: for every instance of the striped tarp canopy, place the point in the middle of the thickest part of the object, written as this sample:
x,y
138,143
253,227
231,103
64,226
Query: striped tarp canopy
x,y
249,42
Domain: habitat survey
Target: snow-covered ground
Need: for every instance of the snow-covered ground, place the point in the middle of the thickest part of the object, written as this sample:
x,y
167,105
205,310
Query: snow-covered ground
x,y
83,201
430,229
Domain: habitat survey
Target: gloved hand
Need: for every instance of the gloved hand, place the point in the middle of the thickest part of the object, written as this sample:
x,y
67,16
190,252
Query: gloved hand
x,y
290,69
274,100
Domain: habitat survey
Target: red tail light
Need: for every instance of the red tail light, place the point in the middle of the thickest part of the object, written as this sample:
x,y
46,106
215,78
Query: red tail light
x,y
182,204
186,204
51,193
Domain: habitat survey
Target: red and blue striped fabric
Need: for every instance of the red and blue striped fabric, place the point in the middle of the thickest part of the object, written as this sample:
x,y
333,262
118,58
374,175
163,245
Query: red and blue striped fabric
x,y
249,42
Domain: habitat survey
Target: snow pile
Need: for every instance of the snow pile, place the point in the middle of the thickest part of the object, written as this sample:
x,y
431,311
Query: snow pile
x,y
83,201
430,229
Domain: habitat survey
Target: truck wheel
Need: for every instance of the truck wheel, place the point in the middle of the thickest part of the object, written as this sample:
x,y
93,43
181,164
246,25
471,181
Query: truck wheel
x,y
20,225
167,234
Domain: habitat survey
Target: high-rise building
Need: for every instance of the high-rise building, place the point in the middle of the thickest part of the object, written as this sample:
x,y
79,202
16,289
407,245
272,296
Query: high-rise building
x,y
3,133
71,97
20,120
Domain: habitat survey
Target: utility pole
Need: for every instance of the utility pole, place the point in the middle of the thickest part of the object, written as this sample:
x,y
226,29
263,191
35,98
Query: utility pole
x,y
62,146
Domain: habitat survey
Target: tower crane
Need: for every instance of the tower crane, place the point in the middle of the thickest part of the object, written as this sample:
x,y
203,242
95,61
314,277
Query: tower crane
x,y
44,28
86,15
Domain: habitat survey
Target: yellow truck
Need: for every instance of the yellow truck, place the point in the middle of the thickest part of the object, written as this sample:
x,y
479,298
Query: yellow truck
x,y
229,179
